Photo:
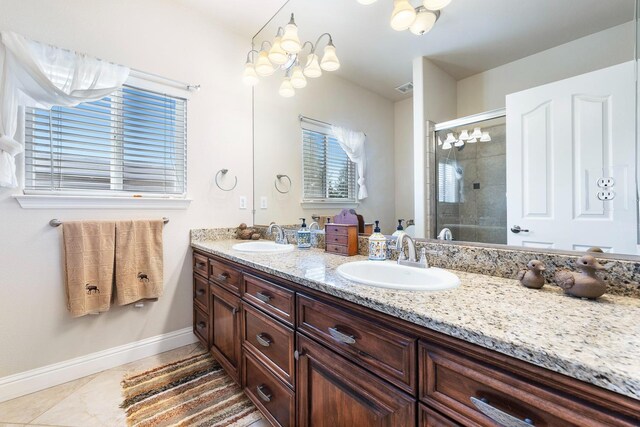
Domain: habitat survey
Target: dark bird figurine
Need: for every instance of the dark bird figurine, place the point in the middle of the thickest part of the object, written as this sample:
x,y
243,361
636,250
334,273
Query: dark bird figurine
x,y
585,284
532,277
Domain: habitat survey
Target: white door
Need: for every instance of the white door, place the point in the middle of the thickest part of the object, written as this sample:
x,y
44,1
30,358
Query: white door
x,y
564,140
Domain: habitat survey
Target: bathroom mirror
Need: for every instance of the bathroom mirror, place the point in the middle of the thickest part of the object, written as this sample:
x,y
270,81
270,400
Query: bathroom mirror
x,y
519,120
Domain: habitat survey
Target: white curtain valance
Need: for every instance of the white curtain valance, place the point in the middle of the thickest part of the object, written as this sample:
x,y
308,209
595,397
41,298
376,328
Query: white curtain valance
x,y
34,74
352,142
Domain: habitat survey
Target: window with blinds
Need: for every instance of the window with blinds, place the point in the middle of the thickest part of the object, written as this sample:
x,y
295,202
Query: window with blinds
x,y
328,174
131,142
448,182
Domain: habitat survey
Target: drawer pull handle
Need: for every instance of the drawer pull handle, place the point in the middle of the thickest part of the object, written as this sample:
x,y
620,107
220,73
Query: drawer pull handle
x,y
263,297
263,393
200,291
501,417
342,337
224,276
263,340
201,325
201,264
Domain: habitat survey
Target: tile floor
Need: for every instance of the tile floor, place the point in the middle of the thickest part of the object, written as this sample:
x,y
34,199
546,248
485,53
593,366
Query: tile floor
x,y
92,401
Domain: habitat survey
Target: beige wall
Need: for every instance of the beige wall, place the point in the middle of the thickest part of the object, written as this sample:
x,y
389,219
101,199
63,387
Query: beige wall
x,y
403,153
487,90
278,148
161,37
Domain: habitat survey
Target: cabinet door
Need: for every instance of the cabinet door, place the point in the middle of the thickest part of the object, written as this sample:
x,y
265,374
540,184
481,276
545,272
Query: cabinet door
x,y
333,392
225,330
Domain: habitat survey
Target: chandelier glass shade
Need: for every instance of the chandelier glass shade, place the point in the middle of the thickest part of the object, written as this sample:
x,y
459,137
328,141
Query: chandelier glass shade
x,y
286,52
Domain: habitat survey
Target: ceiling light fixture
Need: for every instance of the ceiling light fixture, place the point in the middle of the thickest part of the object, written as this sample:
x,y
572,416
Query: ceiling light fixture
x,y
419,20
424,22
285,53
403,15
436,4
485,137
477,133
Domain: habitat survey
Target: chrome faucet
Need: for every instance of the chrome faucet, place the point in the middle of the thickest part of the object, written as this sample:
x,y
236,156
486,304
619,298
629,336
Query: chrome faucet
x,y
314,224
281,238
445,234
412,260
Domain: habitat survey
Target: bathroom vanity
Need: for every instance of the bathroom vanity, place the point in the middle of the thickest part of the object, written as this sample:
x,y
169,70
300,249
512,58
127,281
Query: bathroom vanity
x,y
310,348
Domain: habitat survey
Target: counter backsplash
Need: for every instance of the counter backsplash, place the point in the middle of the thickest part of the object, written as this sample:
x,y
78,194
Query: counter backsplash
x,y
622,276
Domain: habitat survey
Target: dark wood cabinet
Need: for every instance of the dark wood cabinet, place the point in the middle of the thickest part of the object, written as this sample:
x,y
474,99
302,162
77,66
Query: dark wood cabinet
x,y
357,367
334,392
226,335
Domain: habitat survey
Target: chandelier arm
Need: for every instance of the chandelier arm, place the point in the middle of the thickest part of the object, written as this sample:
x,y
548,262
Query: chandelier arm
x,y
318,41
249,58
263,43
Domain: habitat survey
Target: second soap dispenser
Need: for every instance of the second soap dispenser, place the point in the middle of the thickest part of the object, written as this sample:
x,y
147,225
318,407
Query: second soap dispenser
x,y
377,244
303,236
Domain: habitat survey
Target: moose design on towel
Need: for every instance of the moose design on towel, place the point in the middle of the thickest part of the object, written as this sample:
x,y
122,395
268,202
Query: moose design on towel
x,y
91,289
143,277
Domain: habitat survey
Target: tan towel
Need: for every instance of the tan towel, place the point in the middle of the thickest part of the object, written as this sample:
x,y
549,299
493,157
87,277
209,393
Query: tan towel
x,y
139,264
89,252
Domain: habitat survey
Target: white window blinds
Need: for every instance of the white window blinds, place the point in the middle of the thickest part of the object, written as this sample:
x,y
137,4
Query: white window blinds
x,y
328,174
131,142
448,182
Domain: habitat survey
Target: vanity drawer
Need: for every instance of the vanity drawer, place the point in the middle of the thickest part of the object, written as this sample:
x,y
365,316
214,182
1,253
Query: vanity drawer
x,y
384,351
271,342
225,275
201,292
274,299
200,264
451,383
271,395
201,326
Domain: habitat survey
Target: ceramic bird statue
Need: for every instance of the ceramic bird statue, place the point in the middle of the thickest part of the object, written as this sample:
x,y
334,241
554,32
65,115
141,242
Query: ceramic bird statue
x,y
585,284
532,277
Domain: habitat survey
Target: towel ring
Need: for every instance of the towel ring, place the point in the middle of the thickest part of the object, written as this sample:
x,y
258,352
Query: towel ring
x,y
224,172
279,178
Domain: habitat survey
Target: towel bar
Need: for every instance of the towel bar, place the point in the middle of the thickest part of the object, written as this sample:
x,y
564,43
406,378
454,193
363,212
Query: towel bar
x,y
57,223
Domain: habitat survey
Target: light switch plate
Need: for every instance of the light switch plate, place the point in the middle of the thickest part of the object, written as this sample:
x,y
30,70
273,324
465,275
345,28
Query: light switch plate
x,y
243,202
263,202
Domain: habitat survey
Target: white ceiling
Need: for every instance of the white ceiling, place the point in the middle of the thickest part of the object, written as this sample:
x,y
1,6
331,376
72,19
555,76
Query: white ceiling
x,y
244,17
471,36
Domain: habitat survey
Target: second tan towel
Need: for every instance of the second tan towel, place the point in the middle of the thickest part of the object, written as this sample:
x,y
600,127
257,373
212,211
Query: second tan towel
x,y
139,262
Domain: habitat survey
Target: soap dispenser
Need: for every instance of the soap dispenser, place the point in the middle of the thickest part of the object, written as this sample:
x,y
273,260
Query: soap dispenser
x,y
303,236
399,229
377,244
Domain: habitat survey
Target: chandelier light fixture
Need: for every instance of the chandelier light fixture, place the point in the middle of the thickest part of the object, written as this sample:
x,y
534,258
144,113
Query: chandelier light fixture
x,y
419,20
285,53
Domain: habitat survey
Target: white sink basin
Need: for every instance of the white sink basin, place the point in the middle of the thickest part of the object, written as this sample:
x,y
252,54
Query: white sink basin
x,y
390,275
262,247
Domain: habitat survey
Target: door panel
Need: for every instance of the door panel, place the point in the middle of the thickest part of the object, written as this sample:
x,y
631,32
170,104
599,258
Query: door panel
x,y
562,139
226,334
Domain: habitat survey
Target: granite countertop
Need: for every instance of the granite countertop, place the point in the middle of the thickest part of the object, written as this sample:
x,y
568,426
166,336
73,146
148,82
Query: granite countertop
x,y
594,341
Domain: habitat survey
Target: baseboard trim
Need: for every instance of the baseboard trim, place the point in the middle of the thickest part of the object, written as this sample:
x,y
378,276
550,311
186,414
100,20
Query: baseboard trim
x,y
38,379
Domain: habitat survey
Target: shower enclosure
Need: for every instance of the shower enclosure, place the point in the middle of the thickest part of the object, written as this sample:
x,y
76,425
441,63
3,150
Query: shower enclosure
x,y
471,178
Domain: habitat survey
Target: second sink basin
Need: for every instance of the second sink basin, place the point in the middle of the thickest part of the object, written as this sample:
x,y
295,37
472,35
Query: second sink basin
x,y
390,275
262,247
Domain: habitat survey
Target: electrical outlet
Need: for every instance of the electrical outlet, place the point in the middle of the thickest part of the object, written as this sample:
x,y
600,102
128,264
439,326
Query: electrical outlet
x,y
606,182
606,195
263,202
243,202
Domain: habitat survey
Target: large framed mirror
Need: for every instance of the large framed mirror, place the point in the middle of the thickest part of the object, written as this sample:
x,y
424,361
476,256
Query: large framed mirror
x,y
510,123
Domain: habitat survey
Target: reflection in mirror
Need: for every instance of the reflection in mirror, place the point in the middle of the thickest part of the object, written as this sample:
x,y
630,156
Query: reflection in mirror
x,y
551,85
